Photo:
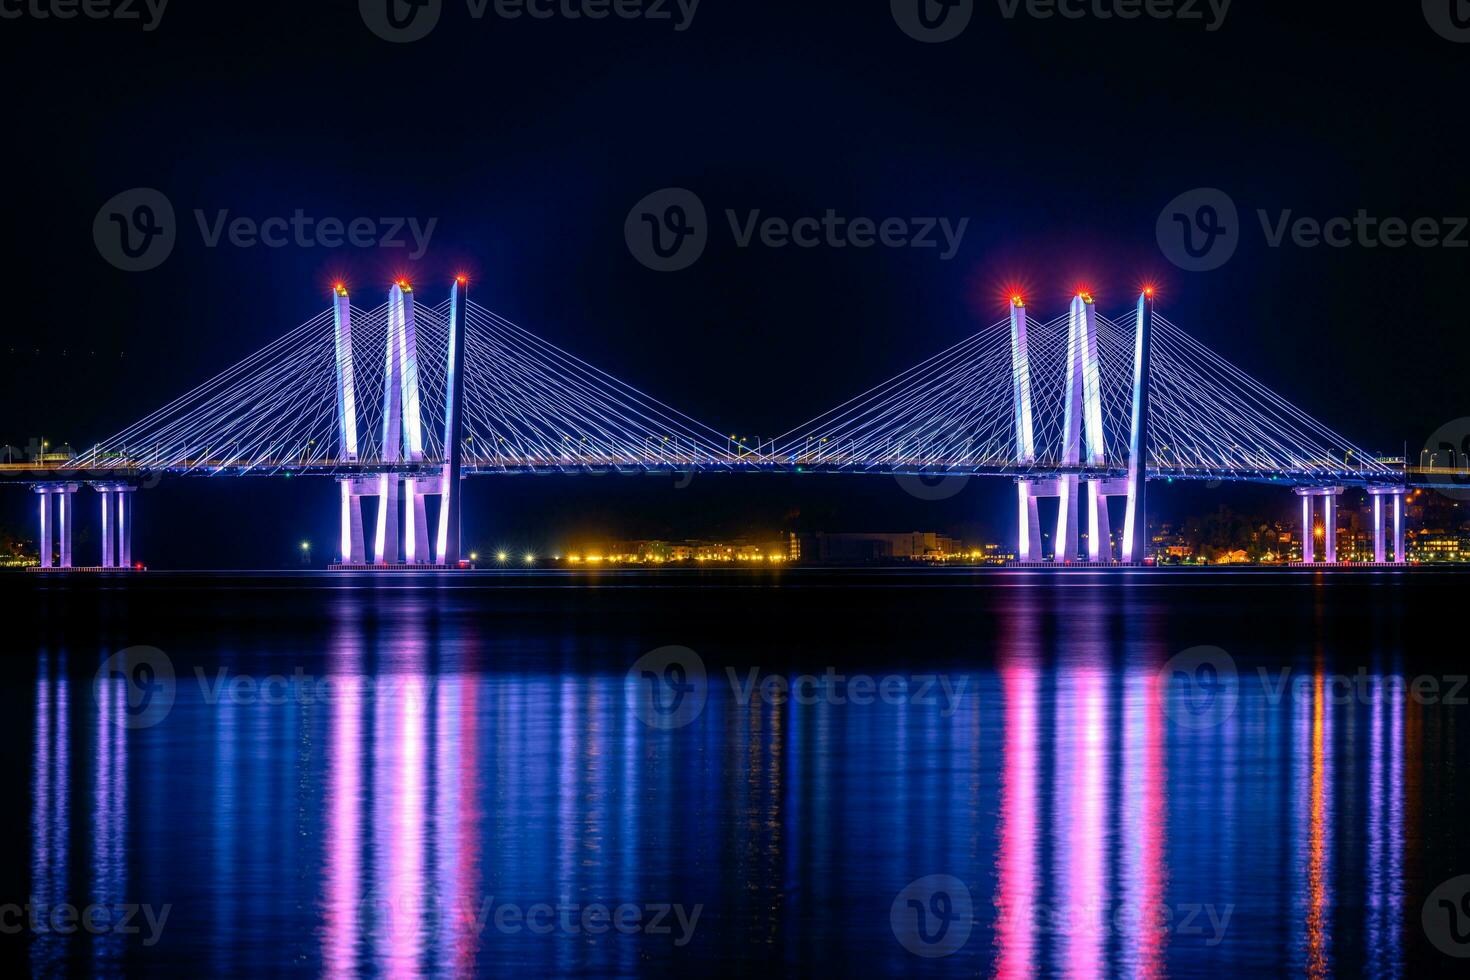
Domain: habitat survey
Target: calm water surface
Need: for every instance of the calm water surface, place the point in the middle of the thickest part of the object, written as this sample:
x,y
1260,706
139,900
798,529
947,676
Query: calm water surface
x,y
1005,773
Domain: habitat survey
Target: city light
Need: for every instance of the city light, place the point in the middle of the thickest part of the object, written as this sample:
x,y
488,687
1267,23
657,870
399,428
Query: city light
x,y
501,556
530,558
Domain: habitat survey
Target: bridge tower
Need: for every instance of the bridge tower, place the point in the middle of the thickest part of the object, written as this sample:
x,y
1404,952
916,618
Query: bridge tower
x,y
1082,439
1135,518
403,438
353,549
450,506
1028,546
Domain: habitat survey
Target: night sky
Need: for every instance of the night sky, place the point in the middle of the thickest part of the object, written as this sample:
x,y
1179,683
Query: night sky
x,y
530,141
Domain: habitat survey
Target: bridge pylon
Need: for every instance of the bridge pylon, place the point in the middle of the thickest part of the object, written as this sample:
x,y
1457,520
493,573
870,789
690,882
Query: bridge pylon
x,y
353,548
1135,516
401,531
1028,542
450,505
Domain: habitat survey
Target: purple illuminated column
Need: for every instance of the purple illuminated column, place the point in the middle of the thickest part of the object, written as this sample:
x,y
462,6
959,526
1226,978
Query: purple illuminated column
x,y
1309,541
108,553
64,519
1399,556
124,526
44,539
1380,537
1329,526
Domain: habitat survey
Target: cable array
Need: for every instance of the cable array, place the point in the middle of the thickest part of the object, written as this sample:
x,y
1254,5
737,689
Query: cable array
x,y
532,406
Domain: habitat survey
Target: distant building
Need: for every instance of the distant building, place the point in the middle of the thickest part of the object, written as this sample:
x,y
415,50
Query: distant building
x,y
877,546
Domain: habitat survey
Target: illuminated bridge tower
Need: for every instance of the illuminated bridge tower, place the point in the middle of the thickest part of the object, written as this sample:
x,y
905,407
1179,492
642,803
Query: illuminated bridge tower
x,y
1135,518
1083,444
450,505
1028,542
401,532
403,441
353,549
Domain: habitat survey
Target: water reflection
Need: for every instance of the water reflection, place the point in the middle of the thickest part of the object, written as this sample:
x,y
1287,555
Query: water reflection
x,y
50,812
411,815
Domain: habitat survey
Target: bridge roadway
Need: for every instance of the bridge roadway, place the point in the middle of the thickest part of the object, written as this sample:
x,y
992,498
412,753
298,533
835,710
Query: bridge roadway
x,y
1414,477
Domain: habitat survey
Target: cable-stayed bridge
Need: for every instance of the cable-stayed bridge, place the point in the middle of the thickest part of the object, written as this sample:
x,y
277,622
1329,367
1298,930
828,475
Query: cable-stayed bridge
x,y
401,402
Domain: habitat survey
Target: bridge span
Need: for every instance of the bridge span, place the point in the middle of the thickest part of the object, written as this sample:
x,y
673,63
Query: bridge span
x,y
404,401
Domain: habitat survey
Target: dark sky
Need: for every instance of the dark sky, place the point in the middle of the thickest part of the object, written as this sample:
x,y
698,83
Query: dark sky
x,y
530,140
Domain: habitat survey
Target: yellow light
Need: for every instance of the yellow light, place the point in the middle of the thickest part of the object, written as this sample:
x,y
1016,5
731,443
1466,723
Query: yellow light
x,y
530,558
501,556
474,556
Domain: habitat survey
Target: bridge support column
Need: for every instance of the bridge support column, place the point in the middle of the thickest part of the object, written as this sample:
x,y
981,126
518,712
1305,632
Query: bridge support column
x,y
1028,544
109,554
415,525
1309,538
1329,528
65,519
1400,556
1329,523
1388,506
44,544
352,548
1099,529
124,497
1066,542
390,510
